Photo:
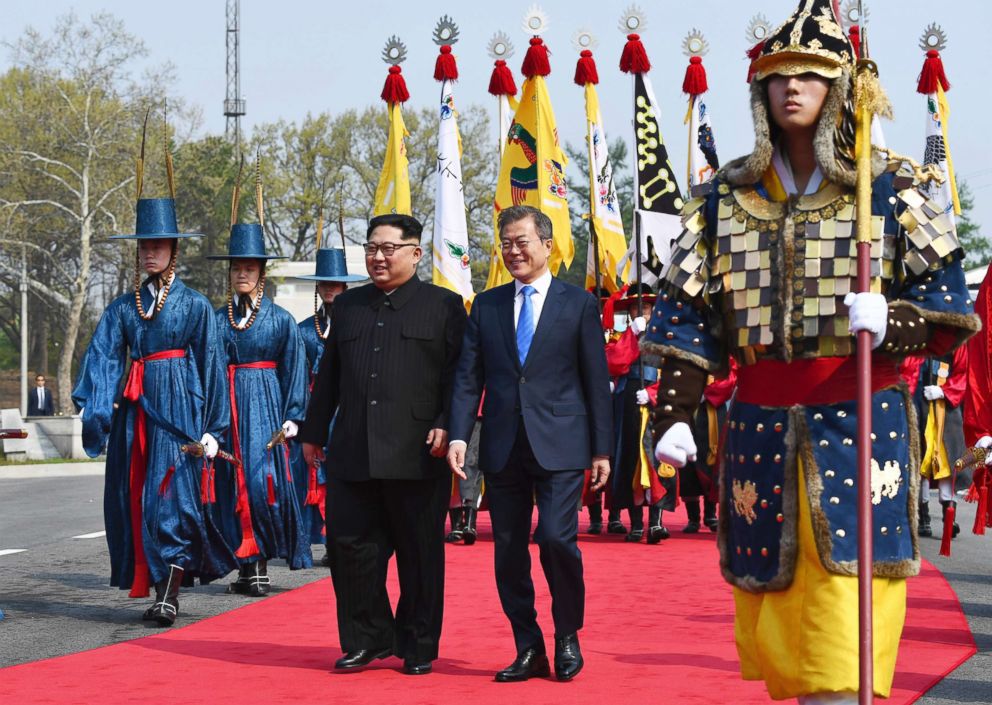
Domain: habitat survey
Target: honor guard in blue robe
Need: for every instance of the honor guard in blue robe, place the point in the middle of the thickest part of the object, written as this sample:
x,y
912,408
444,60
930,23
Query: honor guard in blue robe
x,y
159,531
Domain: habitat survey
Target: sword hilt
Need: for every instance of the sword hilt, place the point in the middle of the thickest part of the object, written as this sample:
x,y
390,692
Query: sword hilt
x,y
973,457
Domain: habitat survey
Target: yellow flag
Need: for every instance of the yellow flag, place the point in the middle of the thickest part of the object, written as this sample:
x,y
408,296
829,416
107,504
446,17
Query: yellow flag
x,y
392,195
604,206
532,172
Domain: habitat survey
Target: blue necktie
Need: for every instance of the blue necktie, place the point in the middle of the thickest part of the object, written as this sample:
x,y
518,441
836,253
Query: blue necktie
x,y
525,323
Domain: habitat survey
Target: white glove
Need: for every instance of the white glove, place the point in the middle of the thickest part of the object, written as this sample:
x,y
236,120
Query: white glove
x,y
676,447
932,392
210,446
642,397
638,325
868,312
613,387
290,429
985,442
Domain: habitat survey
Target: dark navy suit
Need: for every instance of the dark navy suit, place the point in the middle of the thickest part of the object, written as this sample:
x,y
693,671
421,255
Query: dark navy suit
x,y
543,422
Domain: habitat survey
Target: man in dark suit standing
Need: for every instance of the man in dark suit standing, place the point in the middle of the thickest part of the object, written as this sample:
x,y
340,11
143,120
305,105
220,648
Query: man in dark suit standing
x,y
536,347
40,399
387,372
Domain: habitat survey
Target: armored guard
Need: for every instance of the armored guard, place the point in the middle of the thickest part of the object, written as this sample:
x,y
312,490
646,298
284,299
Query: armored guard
x,y
763,273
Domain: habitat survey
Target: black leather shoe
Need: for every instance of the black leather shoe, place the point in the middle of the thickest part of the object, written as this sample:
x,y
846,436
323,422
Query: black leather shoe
x,y
528,664
634,536
417,668
657,533
361,657
568,657
470,533
595,528
616,527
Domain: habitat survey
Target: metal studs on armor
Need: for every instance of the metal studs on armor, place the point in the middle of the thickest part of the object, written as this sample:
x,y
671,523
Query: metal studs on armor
x,y
841,533
884,530
777,458
849,482
779,427
670,335
835,500
829,473
668,407
824,443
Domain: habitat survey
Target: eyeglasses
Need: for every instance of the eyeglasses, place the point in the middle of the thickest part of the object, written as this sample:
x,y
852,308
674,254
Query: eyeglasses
x,y
508,245
388,249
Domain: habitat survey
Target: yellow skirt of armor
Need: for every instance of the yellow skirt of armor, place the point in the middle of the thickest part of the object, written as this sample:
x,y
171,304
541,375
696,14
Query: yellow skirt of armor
x,y
804,639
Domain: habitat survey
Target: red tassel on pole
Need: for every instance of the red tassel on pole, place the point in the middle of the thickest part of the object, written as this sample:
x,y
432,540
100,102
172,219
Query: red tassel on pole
x,y
854,34
983,509
445,68
501,82
536,61
945,541
395,89
585,69
695,77
932,74
634,58
753,53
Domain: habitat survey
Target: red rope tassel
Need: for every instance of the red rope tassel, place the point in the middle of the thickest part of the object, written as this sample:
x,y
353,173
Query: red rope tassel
x,y
854,34
394,91
271,485
164,486
501,82
945,541
536,60
445,68
694,82
634,58
753,53
982,514
312,486
932,74
585,69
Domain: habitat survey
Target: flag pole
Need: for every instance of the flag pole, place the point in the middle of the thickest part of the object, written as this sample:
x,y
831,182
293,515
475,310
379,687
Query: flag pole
x,y
867,72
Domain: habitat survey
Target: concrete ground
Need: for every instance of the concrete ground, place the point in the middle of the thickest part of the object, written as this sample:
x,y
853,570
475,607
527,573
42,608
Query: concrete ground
x,y
54,571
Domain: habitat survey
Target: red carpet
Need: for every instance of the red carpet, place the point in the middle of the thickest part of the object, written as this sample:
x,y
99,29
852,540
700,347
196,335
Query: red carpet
x,y
658,629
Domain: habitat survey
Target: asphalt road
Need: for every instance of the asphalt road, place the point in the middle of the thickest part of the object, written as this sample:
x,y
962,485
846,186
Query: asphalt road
x,y
55,595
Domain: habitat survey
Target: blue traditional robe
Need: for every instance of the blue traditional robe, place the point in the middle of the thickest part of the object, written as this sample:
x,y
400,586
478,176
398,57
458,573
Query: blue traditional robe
x,y
313,516
265,398
186,392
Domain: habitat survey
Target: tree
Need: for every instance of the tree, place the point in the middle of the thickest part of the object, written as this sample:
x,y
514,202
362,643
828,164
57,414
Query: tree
x,y
70,119
977,247
579,200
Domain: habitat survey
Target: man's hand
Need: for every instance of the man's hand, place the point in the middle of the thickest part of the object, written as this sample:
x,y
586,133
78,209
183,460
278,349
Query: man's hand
x,y
932,392
456,458
437,439
643,399
312,453
677,446
985,442
290,429
600,472
639,325
210,446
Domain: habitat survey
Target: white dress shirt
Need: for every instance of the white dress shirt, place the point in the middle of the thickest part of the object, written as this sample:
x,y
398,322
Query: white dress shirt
x,y
41,398
537,299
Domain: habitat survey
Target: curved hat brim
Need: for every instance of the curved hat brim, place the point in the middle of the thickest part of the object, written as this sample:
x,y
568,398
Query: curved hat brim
x,y
266,257
154,236
342,278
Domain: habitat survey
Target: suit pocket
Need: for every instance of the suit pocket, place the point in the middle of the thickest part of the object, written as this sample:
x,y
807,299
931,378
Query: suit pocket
x,y
574,408
424,410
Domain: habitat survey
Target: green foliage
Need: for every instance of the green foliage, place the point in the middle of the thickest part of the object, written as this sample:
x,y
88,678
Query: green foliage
x,y
977,247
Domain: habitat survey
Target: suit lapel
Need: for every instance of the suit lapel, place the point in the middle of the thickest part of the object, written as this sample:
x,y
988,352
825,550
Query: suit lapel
x,y
549,314
505,313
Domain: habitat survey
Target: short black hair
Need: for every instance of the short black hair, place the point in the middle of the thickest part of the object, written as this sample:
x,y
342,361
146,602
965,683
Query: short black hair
x,y
514,213
410,227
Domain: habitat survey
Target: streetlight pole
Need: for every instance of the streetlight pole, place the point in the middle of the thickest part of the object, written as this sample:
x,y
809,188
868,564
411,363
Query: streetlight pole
x,y
24,331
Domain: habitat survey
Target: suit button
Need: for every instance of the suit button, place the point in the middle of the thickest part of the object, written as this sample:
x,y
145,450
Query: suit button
x,y
379,323
523,380
374,375
373,402
376,348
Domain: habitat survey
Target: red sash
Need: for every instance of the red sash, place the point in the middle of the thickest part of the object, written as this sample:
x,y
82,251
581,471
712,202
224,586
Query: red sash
x,y
248,547
133,391
823,380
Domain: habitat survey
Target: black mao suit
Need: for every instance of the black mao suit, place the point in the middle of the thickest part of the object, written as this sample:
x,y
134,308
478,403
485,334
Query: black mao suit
x,y
544,420
387,372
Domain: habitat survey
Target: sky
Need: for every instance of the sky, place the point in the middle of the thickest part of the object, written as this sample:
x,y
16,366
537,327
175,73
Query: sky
x,y
308,56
